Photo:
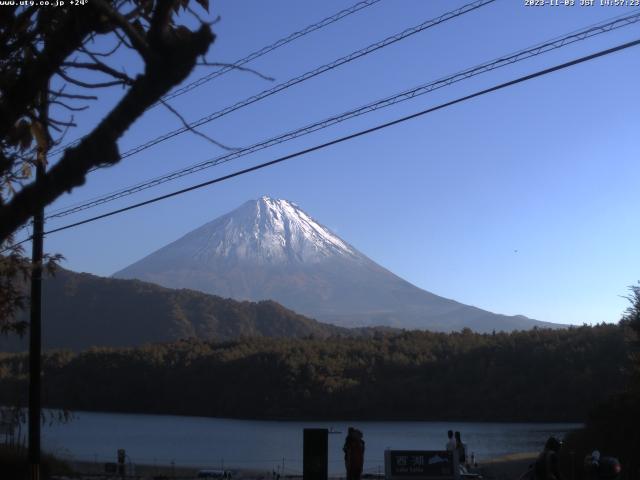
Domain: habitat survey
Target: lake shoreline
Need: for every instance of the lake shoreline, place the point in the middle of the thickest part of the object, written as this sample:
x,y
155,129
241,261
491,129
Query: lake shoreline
x,y
505,467
324,418
268,446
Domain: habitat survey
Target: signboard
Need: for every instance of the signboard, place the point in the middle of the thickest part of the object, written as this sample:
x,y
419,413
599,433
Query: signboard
x,y
420,465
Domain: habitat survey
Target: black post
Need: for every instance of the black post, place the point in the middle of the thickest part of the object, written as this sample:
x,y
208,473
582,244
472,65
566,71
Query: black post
x,y
315,454
122,454
35,327
35,342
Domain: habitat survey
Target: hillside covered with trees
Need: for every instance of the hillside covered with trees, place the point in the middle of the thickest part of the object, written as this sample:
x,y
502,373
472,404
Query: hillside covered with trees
x,y
537,375
83,310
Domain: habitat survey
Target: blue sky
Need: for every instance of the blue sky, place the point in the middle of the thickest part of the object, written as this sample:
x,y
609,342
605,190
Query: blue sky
x,y
523,201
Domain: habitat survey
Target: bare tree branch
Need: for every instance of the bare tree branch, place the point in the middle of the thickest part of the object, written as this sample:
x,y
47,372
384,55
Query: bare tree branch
x,y
82,84
235,67
68,107
197,16
194,131
100,67
136,39
17,97
103,54
63,124
159,25
59,140
61,94
132,14
174,57
123,40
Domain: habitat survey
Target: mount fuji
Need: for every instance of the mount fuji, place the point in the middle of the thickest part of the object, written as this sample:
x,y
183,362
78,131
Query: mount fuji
x,y
271,249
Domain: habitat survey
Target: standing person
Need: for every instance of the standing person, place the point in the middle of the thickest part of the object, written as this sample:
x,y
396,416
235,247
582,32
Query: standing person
x,y
461,448
353,454
592,465
546,466
451,443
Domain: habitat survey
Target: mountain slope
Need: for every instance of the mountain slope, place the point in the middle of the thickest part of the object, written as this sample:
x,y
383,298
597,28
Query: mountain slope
x,y
82,310
271,249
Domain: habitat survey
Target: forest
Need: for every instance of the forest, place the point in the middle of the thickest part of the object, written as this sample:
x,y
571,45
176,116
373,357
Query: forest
x,y
84,310
535,375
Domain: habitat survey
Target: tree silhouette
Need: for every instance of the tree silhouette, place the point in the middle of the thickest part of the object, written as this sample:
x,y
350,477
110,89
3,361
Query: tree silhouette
x,y
631,319
64,58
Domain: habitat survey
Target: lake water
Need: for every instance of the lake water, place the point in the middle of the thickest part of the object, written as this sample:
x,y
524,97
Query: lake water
x,y
249,444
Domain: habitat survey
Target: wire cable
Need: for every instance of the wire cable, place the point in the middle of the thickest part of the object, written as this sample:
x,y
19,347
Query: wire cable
x,y
509,59
283,41
308,75
360,133
249,58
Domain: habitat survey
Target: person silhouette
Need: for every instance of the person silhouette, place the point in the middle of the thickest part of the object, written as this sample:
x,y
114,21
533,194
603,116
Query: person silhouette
x,y
451,443
461,448
353,453
547,465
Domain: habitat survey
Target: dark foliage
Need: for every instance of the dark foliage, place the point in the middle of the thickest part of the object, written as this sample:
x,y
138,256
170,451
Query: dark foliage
x,y
613,426
53,63
13,464
538,375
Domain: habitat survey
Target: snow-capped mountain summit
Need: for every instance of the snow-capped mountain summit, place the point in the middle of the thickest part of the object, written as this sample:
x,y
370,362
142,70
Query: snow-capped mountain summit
x,y
267,231
271,249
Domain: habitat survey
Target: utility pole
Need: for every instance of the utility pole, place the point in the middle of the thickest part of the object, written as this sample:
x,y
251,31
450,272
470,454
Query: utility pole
x,y
35,327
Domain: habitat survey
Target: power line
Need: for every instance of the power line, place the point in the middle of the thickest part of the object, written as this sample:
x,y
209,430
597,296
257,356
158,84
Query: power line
x,y
509,59
249,58
313,73
382,126
310,74
539,73
294,36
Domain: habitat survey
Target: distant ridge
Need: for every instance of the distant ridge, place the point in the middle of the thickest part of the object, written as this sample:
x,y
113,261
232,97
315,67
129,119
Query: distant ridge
x,y
271,249
83,310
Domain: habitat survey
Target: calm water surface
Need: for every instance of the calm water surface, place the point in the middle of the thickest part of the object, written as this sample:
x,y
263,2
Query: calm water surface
x,y
214,442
